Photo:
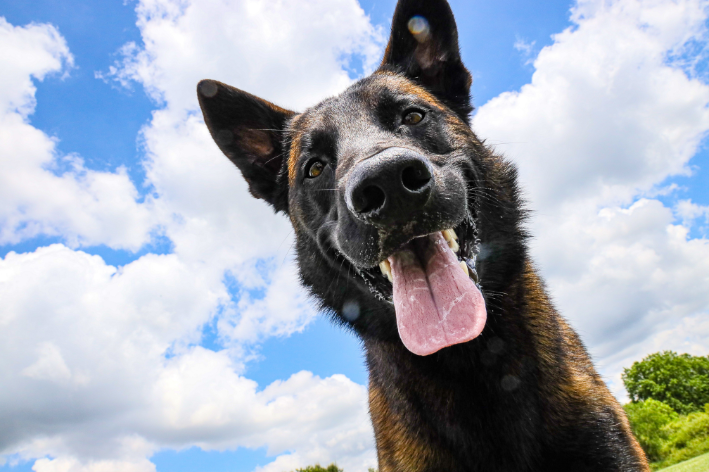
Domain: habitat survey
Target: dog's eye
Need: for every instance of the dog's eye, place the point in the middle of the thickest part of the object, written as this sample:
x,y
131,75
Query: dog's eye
x,y
315,169
413,117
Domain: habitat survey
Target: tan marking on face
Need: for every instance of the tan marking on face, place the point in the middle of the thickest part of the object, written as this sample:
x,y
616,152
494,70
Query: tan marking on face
x,y
295,148
397,448
293,159
399,82
457,128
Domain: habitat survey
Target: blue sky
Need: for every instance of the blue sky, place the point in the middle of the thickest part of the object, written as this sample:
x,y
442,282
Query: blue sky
x,y
115,109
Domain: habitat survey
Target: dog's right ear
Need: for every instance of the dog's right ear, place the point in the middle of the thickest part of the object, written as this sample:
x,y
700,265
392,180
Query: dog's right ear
x,y
249,131
424,47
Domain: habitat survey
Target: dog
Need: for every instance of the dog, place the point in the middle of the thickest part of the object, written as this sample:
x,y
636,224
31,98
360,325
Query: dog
x,y
410,231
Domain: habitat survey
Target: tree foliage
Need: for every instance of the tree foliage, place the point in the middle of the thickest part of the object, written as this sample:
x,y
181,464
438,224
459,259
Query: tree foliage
x,y
687,437
319,468
667,437
329,468
647,419
678,380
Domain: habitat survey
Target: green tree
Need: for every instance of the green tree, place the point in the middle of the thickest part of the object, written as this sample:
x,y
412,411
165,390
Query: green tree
x,y
319,468
647,419
679,380
687,437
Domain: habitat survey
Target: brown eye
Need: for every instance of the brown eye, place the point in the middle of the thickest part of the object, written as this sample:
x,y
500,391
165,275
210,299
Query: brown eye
x,y
413,117
315,169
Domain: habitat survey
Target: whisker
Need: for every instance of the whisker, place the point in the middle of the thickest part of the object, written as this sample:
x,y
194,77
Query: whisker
x,y
274,157
268,129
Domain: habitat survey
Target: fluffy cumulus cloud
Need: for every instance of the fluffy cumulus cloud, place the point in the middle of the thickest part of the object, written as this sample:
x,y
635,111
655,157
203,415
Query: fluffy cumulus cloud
x,y
691,213
611,113
288,52
115,397
105,362
42,192
293,53
87,359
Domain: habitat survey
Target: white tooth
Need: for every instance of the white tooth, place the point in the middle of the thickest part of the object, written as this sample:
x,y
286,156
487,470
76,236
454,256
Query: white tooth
x,y
464,266
450,235
451,238
454,245
386,270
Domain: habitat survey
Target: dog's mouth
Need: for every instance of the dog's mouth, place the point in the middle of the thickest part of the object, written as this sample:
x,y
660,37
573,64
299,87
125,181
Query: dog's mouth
x,y
434,286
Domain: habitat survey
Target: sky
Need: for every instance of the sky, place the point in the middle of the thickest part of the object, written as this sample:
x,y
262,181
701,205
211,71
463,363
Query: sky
x,y
151,318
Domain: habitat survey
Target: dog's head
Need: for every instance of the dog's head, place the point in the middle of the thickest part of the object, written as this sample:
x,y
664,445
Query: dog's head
x,y
395,203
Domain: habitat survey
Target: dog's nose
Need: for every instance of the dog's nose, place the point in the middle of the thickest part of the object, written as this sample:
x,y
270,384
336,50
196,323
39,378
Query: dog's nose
x,y
389,186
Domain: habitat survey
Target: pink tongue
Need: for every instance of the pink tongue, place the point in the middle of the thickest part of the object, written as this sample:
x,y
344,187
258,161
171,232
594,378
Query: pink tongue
x,y
436,306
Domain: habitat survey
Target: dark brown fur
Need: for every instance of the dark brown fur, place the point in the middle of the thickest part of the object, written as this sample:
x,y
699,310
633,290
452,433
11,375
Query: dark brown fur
x,y
522,396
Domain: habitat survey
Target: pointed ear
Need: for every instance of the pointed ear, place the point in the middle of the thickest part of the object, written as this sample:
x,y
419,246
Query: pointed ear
x,y
424,46
249,131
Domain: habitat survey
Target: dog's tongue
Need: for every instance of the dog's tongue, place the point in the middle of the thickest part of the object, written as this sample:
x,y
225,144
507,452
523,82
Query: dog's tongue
x,y
437,305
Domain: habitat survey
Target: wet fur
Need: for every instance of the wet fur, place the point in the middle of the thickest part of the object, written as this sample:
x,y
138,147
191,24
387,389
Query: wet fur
x,y
523,396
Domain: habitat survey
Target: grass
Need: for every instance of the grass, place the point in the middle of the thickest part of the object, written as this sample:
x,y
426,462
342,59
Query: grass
x,y
698,464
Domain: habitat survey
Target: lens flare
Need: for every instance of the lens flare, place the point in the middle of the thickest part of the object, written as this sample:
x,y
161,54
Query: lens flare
x,y
418,26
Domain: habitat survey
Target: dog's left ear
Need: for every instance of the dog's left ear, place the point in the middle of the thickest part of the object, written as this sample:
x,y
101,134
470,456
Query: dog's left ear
x,y
424,46
249,131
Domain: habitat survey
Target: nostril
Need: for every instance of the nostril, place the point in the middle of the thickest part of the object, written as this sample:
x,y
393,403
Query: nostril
x,y
391,186
415,177
369,199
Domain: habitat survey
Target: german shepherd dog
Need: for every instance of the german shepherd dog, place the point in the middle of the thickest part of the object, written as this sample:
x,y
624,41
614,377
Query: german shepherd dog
x,y
410,231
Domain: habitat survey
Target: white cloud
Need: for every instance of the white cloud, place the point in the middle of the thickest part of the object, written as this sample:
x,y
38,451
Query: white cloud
x,y
634,272
105,357
203,201
688,334
86,355
605,117
605,120
28,52
525,47
289,52
70,464
83,206
50,365
285,308
319,419
689,212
